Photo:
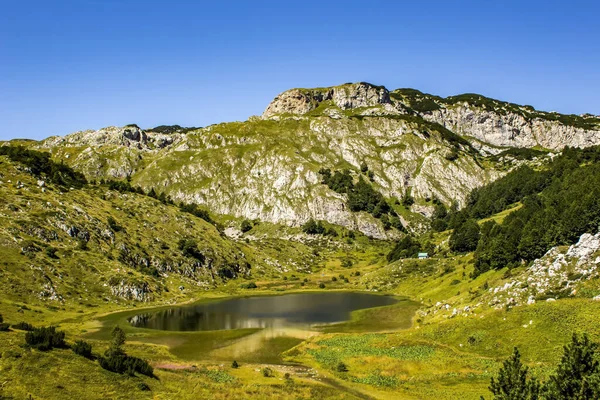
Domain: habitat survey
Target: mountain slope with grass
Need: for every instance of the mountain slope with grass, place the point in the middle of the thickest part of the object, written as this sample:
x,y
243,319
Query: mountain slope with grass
x,y
331,189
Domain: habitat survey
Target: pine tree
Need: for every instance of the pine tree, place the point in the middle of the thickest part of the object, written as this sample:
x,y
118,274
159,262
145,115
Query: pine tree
x,y
577,376
513,382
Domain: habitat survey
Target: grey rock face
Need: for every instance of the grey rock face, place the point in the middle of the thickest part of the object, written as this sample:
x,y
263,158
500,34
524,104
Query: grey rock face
x,y
511,129
267,168
301,101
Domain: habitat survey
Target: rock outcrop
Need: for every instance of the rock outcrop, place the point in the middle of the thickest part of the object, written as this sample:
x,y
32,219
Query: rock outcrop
x,y
349,96
558,273
512,129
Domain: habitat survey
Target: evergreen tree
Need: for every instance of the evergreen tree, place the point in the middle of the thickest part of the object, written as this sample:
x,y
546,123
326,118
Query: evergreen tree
x,y
577,376
513,381
117,340
465,237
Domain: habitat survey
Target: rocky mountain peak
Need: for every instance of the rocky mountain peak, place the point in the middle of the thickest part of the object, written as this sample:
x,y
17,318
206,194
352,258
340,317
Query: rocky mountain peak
x,y
347,96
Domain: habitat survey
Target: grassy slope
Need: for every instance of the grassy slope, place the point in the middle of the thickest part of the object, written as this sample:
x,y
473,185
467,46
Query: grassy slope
x,y
438,357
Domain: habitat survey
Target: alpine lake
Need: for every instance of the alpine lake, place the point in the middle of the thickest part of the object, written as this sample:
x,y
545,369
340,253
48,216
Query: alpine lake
x,y
260,328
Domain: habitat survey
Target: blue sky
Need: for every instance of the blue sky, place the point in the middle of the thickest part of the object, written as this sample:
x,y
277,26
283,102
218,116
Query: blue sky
x,y
74,65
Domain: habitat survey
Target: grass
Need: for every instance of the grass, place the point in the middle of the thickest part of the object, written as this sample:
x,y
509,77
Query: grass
x,y
411,350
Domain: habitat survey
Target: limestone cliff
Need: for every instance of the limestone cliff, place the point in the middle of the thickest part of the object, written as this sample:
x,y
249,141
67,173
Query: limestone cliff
x,y
268,168
503,124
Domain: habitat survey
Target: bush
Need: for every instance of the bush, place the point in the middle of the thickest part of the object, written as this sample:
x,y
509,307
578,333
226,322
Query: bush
x,y
122,363
408,201
341,367
45,338
51,252
112,224
40,164
246,226
82,245
321,285
313,228
189,248
82,348
196,211
267,372
249,285
23,326
143,386
235,364
4,327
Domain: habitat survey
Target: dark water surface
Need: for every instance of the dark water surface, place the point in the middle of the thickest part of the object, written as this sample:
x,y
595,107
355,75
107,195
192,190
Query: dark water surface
x,y
290,310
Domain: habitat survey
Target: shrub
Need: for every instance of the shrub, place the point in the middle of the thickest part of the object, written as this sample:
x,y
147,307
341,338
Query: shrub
x,y
408,201
334,279
341,367
267,372
45,338
23,326
452,156
51,252
82,245
40,164
313,228
235,364
346,263
189,248
82,348
249,285
122,363
114,225
321,285
4,327
118,338
196,211
246,226
143,386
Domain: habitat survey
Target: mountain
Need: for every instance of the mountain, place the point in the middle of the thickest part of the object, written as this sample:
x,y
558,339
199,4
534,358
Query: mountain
x,y
413,145
97,225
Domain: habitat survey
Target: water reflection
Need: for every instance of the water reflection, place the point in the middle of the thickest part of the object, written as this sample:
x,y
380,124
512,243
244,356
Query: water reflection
x,y
274,312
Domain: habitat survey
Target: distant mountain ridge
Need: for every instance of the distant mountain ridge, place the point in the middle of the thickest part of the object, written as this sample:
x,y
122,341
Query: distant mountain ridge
x,y
414,145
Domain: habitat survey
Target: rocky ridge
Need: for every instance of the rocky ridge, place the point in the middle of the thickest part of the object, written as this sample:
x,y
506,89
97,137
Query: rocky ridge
x,y
267,168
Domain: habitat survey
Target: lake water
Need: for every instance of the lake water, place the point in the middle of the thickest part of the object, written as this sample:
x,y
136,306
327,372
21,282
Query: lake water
x,y
287,311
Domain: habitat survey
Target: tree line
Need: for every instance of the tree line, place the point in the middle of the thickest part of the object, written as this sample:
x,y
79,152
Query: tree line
x,y
559,202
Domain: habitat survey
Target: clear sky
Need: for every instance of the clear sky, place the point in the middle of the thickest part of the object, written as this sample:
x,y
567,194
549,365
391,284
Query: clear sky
x,y
68,65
